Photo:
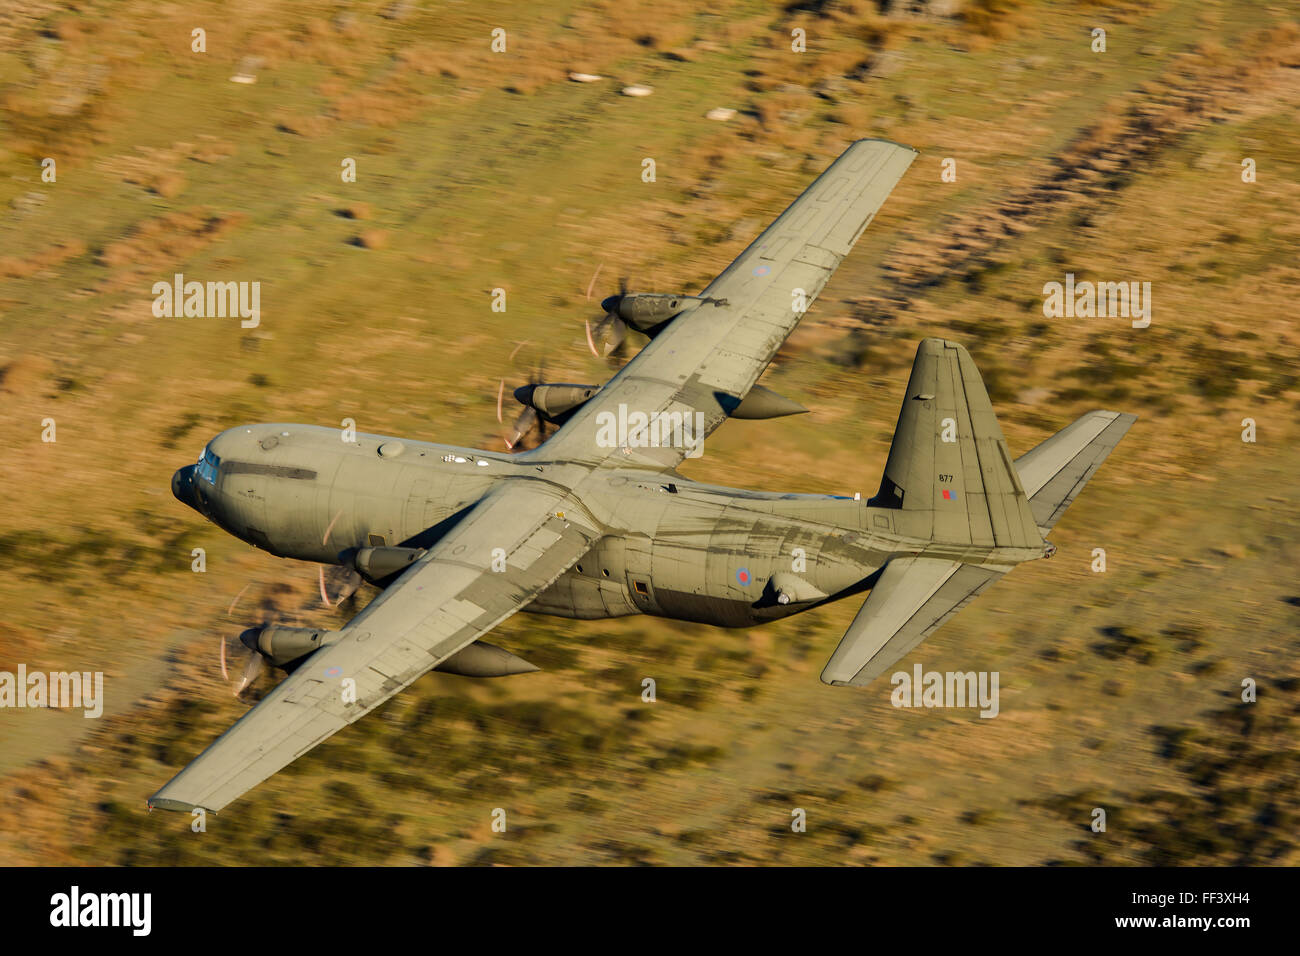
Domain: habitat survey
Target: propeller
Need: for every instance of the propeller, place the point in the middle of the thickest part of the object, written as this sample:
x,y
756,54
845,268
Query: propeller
x,y
524,424
340,580
245,657
242,657
527,421
609,328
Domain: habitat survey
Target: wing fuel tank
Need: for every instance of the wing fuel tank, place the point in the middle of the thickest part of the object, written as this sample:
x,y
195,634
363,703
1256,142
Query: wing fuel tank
x,y
482,659
764,403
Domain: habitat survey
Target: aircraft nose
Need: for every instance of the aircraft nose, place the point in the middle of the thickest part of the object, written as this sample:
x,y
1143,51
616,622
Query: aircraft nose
x,y
183,486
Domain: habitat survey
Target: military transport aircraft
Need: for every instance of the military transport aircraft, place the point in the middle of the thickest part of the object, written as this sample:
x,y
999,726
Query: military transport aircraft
x,y
597,522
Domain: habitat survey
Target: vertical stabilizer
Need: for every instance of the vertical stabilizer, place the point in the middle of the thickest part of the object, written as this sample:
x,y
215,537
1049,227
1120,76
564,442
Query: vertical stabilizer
x,y
949,460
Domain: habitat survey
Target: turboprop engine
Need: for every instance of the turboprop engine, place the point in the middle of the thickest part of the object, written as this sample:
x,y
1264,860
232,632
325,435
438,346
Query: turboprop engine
x,y
281,646
645,310
376,564
554,402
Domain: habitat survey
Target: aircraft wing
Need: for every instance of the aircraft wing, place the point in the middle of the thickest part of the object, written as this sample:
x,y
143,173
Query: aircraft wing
x,y
707,359
911,599
447,599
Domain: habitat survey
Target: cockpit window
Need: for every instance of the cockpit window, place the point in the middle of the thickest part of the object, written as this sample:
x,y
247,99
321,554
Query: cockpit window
x,y
208,465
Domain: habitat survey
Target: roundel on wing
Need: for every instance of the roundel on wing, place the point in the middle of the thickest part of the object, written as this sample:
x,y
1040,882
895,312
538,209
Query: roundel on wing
x,y
742,575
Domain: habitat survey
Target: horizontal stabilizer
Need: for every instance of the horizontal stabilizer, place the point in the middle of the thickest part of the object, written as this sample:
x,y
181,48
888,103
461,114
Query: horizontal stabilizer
x,y
1056,470
912,598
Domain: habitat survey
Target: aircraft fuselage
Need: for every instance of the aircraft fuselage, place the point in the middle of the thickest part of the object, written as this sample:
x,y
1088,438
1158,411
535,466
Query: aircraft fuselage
x,y
671,547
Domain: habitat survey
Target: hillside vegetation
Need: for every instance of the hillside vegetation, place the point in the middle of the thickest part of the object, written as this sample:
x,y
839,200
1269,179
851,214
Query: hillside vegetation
x,y
477,170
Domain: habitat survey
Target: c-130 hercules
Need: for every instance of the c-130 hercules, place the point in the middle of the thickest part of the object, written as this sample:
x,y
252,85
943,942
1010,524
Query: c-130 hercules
x,y
596,522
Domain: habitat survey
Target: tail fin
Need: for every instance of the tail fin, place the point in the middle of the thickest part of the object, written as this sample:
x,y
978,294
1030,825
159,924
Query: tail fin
x,y
949,462
1056,470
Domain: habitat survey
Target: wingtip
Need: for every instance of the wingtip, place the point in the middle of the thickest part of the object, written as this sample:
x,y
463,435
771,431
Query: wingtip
x,y
1128,417
829,677
890,142
167,803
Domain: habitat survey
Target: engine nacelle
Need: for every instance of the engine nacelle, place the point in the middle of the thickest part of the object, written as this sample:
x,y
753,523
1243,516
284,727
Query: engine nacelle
x,y
554,402
283,645
375,564
645,310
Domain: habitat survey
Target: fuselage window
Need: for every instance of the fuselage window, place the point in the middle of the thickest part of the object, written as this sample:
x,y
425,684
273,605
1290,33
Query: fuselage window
x,y
208,466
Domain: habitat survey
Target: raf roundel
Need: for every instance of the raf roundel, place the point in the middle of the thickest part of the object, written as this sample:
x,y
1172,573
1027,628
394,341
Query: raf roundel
x,y
742,575
333,671
762,270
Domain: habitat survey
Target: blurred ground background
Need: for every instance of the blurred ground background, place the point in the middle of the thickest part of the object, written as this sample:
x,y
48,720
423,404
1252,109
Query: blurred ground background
x,y
477,170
